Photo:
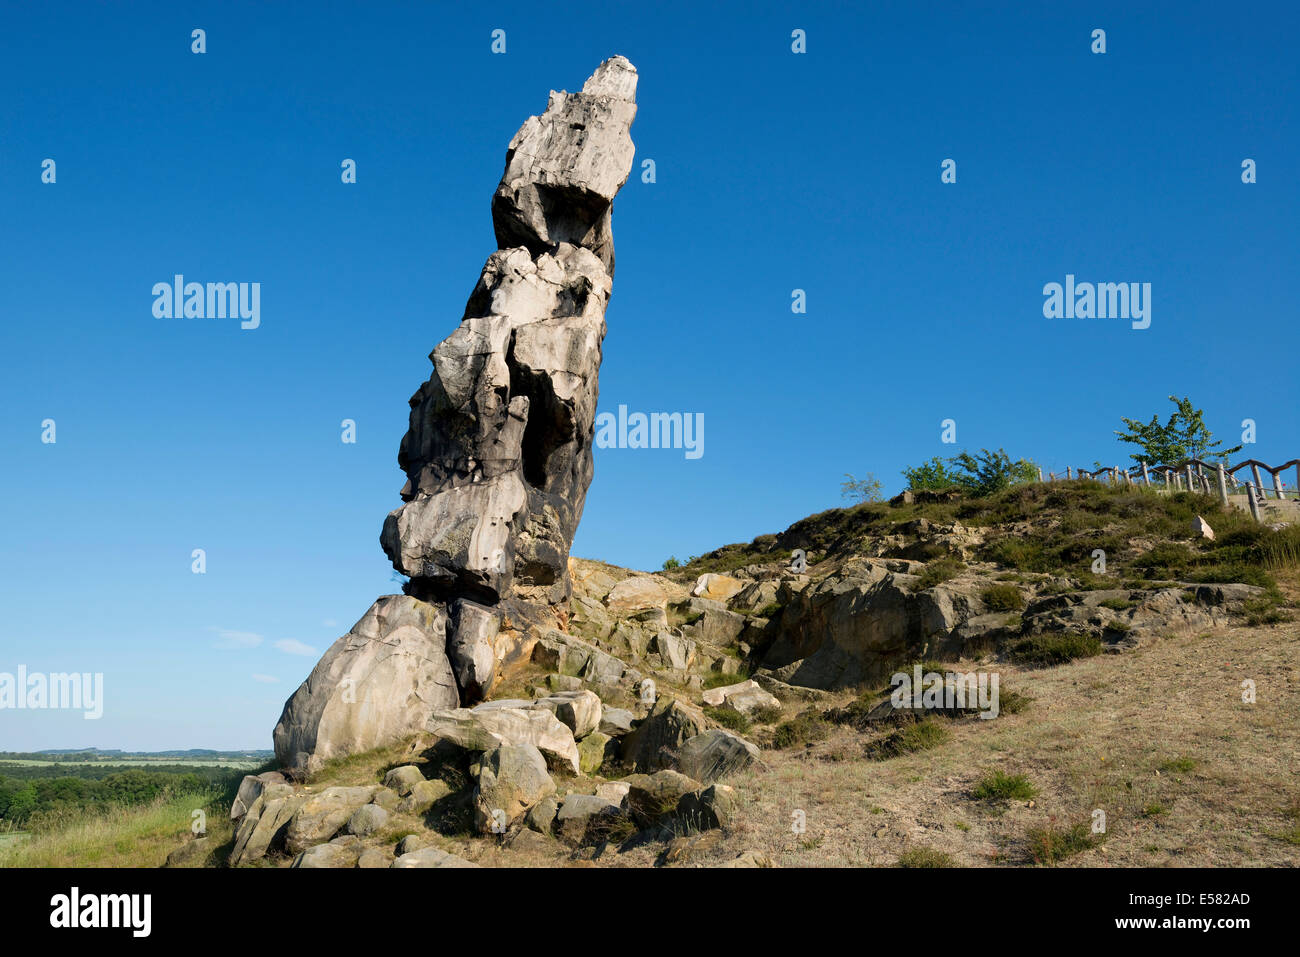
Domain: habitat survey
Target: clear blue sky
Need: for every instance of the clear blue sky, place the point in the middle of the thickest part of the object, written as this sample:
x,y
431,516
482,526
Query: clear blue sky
x,y
775,171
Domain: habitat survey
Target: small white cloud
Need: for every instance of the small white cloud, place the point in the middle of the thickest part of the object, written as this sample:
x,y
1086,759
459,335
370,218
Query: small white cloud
x,y
291,647
236,639
266,679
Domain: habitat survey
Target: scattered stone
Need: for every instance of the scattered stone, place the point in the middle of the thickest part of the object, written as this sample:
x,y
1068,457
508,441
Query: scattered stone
x,y
541,816
715,754
403,779
1201,529
374,857
655,741
328,855
431,857
716,587
488,727
322,815
423,796
511,779
593,750
366,820
190,853
249,788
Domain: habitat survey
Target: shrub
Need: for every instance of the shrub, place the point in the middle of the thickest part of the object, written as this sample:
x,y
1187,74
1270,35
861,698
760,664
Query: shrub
x,y
1048,845
731,720
804,729
931,476
998,786
922,736
990,472
925,857
1054,649
1003,598
938,572
861,490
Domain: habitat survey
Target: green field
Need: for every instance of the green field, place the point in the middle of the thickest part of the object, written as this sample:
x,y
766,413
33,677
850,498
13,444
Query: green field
x,y
232,763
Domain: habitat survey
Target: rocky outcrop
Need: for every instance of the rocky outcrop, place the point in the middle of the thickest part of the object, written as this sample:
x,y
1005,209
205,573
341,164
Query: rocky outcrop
x,y
860,623
498,453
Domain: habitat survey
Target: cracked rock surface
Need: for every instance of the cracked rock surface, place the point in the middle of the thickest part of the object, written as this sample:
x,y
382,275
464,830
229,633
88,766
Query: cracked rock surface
x,y
498,453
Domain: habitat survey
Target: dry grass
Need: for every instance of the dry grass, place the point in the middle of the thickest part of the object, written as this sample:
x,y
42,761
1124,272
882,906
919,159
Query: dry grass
x,y
1159,739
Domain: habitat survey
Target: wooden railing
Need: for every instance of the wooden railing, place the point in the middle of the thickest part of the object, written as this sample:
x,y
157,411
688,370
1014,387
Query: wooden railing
x,y
1199,476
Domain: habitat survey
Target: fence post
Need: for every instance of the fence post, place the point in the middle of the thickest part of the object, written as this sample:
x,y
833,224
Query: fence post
x,y
1223,484
1067,473
1040,474
1190,480
1277,486
1254,505
1259,483
1146,475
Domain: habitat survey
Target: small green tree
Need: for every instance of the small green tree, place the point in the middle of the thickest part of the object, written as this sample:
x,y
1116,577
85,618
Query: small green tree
x,y
931,476
1183,436
862,490
672,563
990,472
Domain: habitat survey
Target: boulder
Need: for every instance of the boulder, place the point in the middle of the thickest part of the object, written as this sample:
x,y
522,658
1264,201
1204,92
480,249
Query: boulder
x,y
471,647
651,796
541,816
616,721
329,855
249,788
265,825
710,808
717,587
374,686
431,857
403,779
366,820
323,815
1201,529
578,812
857,625
511,779
373,857
423,796
594,750
483,729
190,854
715,754
638,593
655,741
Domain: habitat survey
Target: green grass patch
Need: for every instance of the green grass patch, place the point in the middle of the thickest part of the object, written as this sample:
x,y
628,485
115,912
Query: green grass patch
x,y
1000,786
1054,649
921,736
926,857
1048,845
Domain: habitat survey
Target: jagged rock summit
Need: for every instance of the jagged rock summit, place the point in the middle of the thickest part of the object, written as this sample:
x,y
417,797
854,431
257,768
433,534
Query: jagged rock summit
x,y
498,454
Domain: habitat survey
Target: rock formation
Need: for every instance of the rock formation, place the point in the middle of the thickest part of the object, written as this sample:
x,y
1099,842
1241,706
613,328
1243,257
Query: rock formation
x,y
498,455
